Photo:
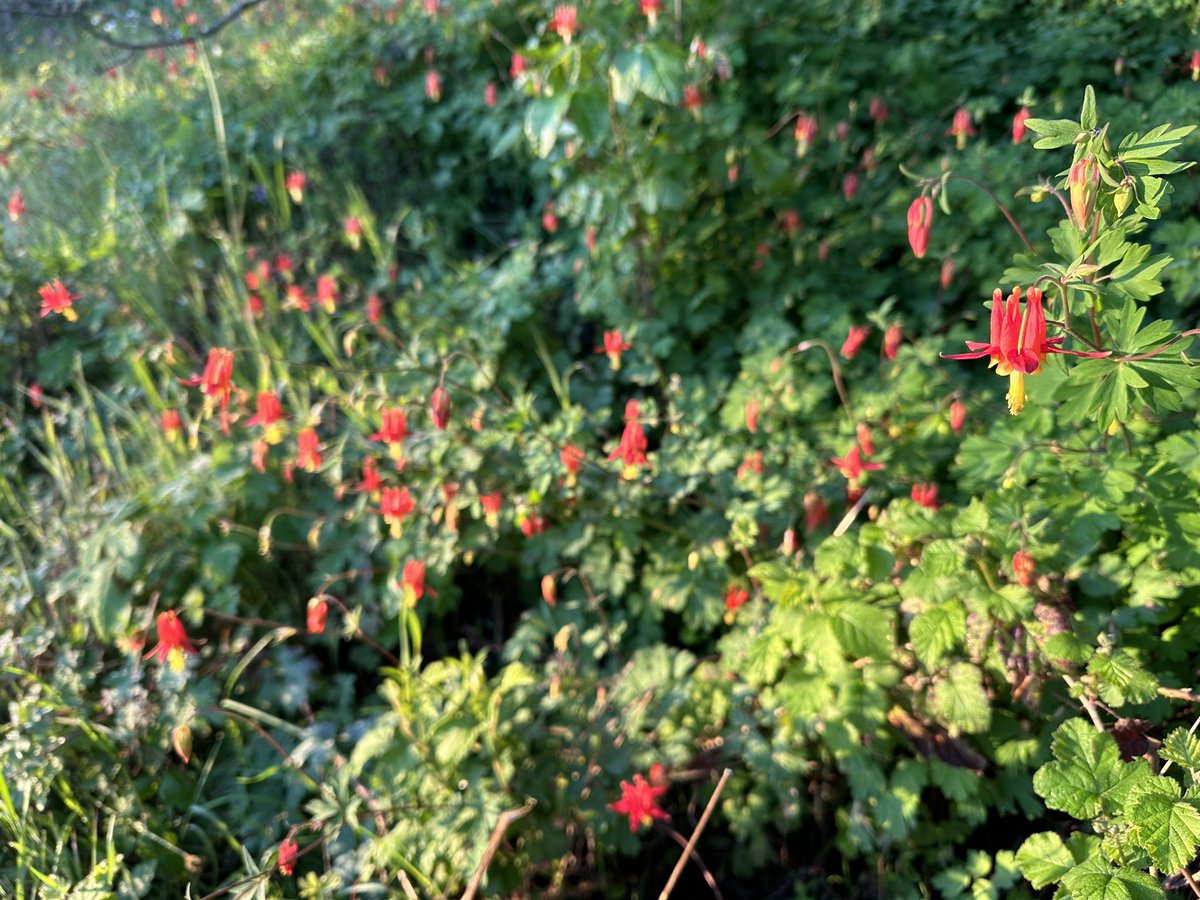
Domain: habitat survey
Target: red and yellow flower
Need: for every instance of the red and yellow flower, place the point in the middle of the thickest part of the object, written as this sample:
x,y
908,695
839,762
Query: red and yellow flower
x,y
173,641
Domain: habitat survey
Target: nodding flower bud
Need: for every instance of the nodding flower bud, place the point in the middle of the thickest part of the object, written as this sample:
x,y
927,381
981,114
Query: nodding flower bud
x,y
920,220
1123,195
1081,183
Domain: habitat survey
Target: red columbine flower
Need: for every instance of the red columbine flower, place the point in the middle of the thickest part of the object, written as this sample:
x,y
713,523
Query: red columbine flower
x,y
549,590
805,133
751,463
327,293
284,265
1018,124
891,341
317,612
632,447
549,217
962,128
1018,344
297,298
439,408
393,432
295,186
1024,568
308,450
216,383
572,458
850,185
752,409
532,524
173,641
564,22
433,86
693,100
958,416
288,851
1195,65
639,801
735,598
490,94
412,582
815,513
172,424
374,309
865,440
258,454
651,9
16,206
854,340
57,299
353,231
491,504
925,494
614,346
394,505
517,68
852,466
947,274
269,414
370,483
920,220
878,110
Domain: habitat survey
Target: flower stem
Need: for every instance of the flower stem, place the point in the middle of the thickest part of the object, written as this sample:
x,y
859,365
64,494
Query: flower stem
x,y
1001,207
837,372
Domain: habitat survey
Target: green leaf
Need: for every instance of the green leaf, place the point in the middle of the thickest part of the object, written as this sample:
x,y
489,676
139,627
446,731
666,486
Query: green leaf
x,y
1044,859
656,69
1167,828
589,112
1096,879
1182,748
1122,678
960,700
937,631
863,631
1055,132
542,120
1087,117
1086,775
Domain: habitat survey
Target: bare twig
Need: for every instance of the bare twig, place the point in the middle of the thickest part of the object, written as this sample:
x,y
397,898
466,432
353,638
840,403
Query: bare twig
x,y
1191,881
691,844
708,877
177,40
506,818
837,372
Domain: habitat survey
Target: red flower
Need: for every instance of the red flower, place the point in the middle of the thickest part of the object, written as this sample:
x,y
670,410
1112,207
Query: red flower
x,y
614,346
752,410
549,590
489,94
394,505
925,494
532,524
370,483
308,450
852,466
1018,124
651,9
258,455
374,309
412,582
639,801
327,293
878,110
216,383
288,851
268,414
284,265
1018,344
920,220
961,128
16,206
790,222
439,408
56,298
549,218
805,133
517,68
854,340
297,298
947,273
565,22
850,185
353,231
491,504
393,432
295,186
751,462
173,641
433,86
1195,65
735,598
1082,182
172,424
572,458
815,514
318,610
632,447
1024,568
865,440
693,99
891,341
958,416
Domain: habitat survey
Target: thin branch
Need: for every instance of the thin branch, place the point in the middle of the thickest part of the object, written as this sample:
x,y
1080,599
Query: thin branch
x,y
837,372
177,40
708,877
691,844
1002,208
506,818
